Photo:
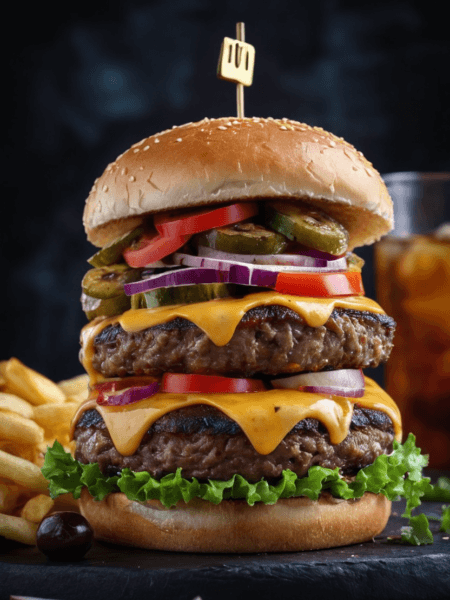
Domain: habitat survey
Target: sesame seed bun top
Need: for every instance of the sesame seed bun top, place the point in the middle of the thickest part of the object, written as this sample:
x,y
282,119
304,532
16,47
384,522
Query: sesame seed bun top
x,y
216,161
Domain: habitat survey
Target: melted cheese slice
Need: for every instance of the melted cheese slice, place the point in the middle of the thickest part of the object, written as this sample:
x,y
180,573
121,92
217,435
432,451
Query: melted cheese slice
x,y
219,318
265,417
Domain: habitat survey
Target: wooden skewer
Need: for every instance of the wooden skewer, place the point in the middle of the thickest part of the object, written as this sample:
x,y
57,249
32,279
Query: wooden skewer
x,y
240,35
236,63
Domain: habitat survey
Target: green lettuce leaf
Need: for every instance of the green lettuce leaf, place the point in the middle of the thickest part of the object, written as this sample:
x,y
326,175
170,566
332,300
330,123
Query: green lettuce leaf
x,y
417,532
398,475
445,520
440,491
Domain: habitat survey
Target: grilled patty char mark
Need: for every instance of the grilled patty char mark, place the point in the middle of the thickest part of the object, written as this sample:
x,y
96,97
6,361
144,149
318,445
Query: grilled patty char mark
x,y
207,444
269,340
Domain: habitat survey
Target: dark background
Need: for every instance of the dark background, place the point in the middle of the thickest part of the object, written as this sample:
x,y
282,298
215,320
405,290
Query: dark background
x,y
83,81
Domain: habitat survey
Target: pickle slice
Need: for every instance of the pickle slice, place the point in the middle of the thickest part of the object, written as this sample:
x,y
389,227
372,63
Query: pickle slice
x,y
308,226
138,301
188,294
112,253
354,262
244,238
106,307
108,282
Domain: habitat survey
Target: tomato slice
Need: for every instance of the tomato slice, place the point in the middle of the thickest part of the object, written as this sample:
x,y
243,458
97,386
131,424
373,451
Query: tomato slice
x,y
348,283
151,248
177,383
190,222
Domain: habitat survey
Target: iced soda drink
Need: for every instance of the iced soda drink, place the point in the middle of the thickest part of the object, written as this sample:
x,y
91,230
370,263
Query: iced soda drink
x,y
413,286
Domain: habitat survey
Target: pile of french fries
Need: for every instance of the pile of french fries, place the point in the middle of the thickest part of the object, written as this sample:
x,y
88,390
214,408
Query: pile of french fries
x,y
34,412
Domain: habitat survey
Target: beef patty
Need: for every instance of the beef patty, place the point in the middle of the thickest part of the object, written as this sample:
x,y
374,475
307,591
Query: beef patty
x,y
269,340
207,444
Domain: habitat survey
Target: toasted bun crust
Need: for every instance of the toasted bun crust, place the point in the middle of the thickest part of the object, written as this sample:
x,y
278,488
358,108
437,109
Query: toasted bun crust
x,y
233,526
219,160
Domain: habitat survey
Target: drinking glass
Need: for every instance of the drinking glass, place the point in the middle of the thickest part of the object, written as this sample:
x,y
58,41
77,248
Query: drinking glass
x,y
413,286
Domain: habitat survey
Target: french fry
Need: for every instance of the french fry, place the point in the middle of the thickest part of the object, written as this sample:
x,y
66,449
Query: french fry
x,y
31,453
18,529
76,389
55,417
78,398
9,495
36,508
16,428
30,384
34,411
15,404
22,472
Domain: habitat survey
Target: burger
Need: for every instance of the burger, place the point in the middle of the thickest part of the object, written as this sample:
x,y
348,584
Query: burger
x,y
227,332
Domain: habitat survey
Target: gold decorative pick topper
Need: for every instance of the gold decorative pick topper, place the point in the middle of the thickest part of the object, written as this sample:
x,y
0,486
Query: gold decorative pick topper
x,y
236,64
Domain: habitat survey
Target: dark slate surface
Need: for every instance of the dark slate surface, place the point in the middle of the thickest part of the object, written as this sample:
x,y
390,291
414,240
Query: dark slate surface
x,y
372,570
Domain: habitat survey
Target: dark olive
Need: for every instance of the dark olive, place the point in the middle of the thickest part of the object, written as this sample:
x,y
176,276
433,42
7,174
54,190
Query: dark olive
x,y
64,536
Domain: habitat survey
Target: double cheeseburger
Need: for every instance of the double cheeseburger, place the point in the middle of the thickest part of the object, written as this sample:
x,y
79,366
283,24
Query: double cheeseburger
x,y
227,334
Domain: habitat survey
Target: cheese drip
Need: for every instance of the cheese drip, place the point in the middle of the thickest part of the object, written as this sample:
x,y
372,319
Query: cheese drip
x,y
219,318
265,417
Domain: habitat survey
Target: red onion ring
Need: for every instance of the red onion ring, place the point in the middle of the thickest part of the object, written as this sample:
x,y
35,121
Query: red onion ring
x,y
209,270
129,395
175,278
309,263
343,382
179,258
332,391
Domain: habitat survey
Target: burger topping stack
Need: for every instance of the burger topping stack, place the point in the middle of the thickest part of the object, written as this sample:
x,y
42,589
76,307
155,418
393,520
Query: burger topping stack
x,y
227,336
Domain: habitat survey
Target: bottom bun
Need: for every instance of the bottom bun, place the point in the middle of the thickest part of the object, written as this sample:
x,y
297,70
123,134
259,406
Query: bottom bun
x,y
234,526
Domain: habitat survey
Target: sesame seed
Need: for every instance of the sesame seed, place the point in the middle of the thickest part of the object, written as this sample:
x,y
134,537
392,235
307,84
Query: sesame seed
x,y
222,128
136,150
228,124
146,148
105,188
332,143
132,178
283,127
124,171
156,141
235,122
179,139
